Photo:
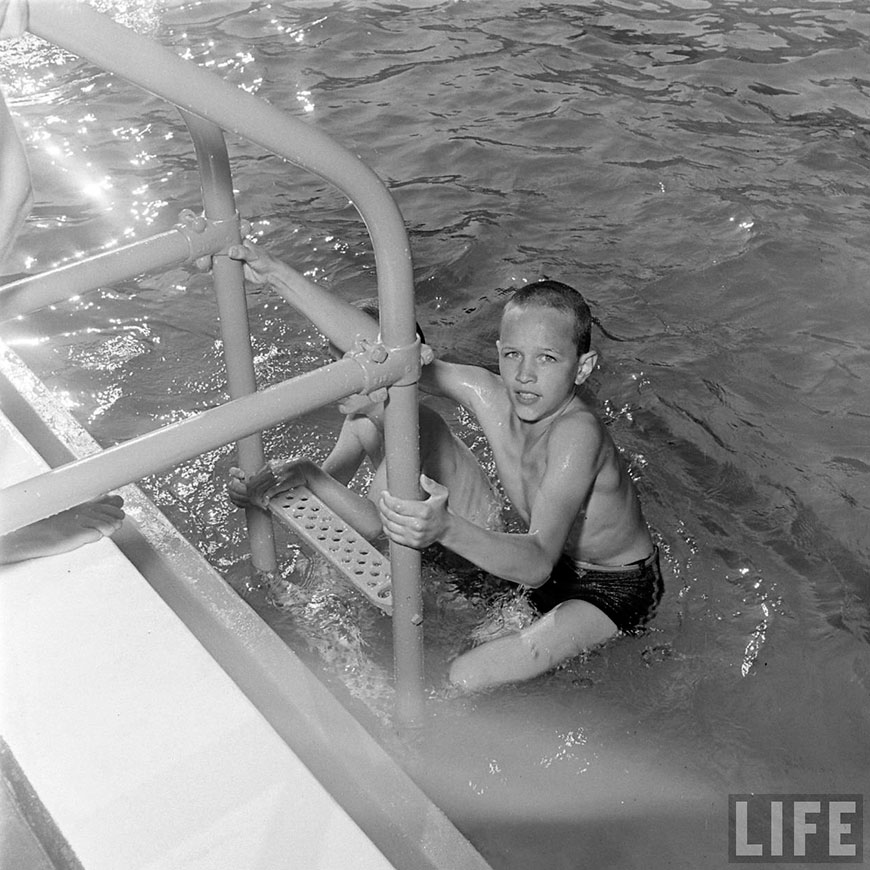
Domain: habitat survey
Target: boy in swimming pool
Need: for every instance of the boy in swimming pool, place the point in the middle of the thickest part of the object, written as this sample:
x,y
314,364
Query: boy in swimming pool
x,y
587,556
443,456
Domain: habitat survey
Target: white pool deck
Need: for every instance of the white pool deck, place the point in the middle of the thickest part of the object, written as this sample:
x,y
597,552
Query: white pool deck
x,y
146,754
142,749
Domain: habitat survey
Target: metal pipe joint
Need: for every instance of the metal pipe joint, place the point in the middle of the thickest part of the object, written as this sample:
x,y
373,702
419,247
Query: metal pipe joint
x,y
385,367
206,237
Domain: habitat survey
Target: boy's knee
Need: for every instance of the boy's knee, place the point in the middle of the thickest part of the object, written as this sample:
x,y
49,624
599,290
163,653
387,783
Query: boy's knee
x,y
463,675
484,667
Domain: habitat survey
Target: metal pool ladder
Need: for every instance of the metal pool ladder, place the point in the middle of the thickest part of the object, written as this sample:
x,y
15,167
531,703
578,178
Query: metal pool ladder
x,y
210,106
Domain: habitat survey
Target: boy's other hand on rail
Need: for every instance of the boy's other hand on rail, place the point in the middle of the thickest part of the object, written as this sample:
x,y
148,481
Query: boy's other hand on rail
x,y
256,262
262,268
272,479
237,488
415,523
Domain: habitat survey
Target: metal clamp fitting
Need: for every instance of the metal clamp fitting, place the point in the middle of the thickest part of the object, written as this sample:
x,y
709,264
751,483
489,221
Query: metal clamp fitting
x,y
385,367
206,238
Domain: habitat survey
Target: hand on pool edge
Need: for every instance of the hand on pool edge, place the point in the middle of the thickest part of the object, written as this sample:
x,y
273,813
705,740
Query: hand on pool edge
x,y
70,529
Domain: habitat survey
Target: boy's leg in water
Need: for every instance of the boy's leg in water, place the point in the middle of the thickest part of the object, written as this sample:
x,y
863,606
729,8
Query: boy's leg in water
x,y
557,636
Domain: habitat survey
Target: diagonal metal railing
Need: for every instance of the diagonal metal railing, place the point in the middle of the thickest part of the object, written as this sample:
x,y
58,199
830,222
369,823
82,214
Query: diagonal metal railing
x,y
210,106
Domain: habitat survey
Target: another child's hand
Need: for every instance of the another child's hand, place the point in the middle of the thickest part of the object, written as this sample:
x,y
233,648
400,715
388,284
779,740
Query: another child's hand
x,y
102,516
66,531
415,523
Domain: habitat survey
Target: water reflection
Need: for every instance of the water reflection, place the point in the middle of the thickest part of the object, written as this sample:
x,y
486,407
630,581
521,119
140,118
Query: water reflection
x,y
700,170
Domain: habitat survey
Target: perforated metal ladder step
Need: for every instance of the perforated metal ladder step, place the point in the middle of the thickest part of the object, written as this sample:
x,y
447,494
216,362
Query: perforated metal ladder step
x,y
309,518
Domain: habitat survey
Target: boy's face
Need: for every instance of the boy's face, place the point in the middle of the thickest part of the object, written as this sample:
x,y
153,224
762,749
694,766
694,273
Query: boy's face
x,y
539,362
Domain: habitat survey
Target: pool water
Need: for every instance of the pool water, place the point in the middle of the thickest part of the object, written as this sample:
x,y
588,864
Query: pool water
x,y
699,170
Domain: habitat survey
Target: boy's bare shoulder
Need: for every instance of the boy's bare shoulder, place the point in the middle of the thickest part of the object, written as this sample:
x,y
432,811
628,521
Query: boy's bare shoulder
x,y
487,385
468,379
578,432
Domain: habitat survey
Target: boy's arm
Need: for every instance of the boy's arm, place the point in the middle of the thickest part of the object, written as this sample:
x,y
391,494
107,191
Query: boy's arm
x,y
521,558
355,509
337,319
467,385
343,324
346,455
281,475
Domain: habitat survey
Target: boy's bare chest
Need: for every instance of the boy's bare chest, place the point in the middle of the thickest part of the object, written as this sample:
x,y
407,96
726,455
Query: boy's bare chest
x,y
521,465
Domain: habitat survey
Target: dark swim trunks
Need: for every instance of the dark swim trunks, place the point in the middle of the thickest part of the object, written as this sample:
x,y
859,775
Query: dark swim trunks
x,y
628,594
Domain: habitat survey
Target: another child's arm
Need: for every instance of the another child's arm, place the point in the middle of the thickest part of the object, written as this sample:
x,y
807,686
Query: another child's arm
x,y
16,194
65,531
13,18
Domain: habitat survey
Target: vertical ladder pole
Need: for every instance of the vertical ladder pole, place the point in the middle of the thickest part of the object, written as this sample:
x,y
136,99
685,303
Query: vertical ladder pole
x,y
402,453
401,438
220,205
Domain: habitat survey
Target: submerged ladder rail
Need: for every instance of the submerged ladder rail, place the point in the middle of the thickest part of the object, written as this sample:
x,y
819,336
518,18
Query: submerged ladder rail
x,y
219,205
210,106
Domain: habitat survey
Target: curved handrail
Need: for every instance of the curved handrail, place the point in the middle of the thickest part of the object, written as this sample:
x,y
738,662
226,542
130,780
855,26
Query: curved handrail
x,y
91,35
84,31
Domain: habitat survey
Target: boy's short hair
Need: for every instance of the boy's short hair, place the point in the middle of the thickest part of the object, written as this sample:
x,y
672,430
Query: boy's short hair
x,y
561,297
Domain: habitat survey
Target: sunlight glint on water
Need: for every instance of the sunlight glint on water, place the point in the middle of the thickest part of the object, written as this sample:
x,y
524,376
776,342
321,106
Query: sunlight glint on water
x,y
699,171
